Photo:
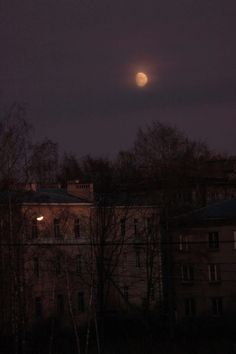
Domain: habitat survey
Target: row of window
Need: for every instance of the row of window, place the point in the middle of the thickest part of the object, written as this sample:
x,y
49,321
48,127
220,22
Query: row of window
x,y
213,242
187,273
60,304
58,265
58,233
216,306
56,227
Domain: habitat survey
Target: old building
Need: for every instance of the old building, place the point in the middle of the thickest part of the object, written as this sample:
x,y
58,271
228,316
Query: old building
x,y
201,248
77,256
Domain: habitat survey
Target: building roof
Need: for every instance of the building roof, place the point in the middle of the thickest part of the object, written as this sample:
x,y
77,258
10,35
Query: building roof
x,y
44,195
222,211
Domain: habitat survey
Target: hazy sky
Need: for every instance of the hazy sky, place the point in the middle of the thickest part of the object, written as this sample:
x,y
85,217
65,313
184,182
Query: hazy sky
x,y
74,62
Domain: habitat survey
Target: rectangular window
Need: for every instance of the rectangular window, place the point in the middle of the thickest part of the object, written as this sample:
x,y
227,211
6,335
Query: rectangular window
x,y
126,293
57,228
137,258
78,264
149,224
77,228
213,240
183,243
34,229
187,272
214,272
58,265
234,233
135,227
81,306
216,306
60,304
38,306
152,292
36,266
189,307
122,227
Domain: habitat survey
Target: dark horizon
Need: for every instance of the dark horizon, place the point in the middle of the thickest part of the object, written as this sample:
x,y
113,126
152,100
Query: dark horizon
x,y
74,63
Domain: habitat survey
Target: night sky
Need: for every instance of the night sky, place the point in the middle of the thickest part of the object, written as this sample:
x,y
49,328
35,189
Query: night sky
x,y
74,62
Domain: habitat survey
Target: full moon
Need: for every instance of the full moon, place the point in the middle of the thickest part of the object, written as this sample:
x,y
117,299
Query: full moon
x,y
141,79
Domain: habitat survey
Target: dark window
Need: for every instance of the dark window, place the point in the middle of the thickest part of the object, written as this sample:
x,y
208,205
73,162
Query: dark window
x,y
149,225
81,306
77,228
187,273
38,306
60,304
216,306
189,307
78,264
58,265
57,228
122,227
137,258
214,272
126,293
34,229
213,240
183,243
135,227
152,292
36,266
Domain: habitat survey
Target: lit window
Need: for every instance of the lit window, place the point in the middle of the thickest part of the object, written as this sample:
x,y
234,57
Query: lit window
x,y
213,240
214,272
187,273
77,228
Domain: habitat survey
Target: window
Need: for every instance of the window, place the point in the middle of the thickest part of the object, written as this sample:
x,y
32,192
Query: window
x,y
137,258
81,306
213,240
126,293
58,265
36,266
57,228
149,223
122,227
38,306
78,264
77,228
152,292
34,229
135,227
216,306
60,304
187,273
189,307
234,233
214,272
183,243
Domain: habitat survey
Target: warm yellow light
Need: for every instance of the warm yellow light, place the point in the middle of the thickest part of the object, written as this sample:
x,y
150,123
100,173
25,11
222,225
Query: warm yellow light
x,y
141,79
40,218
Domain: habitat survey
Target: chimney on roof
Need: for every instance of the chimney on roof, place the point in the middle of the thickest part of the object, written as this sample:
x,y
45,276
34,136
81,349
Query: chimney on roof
x,y
81,190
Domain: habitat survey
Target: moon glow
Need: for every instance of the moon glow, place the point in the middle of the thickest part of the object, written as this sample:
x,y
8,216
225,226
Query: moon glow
x,y
141,79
